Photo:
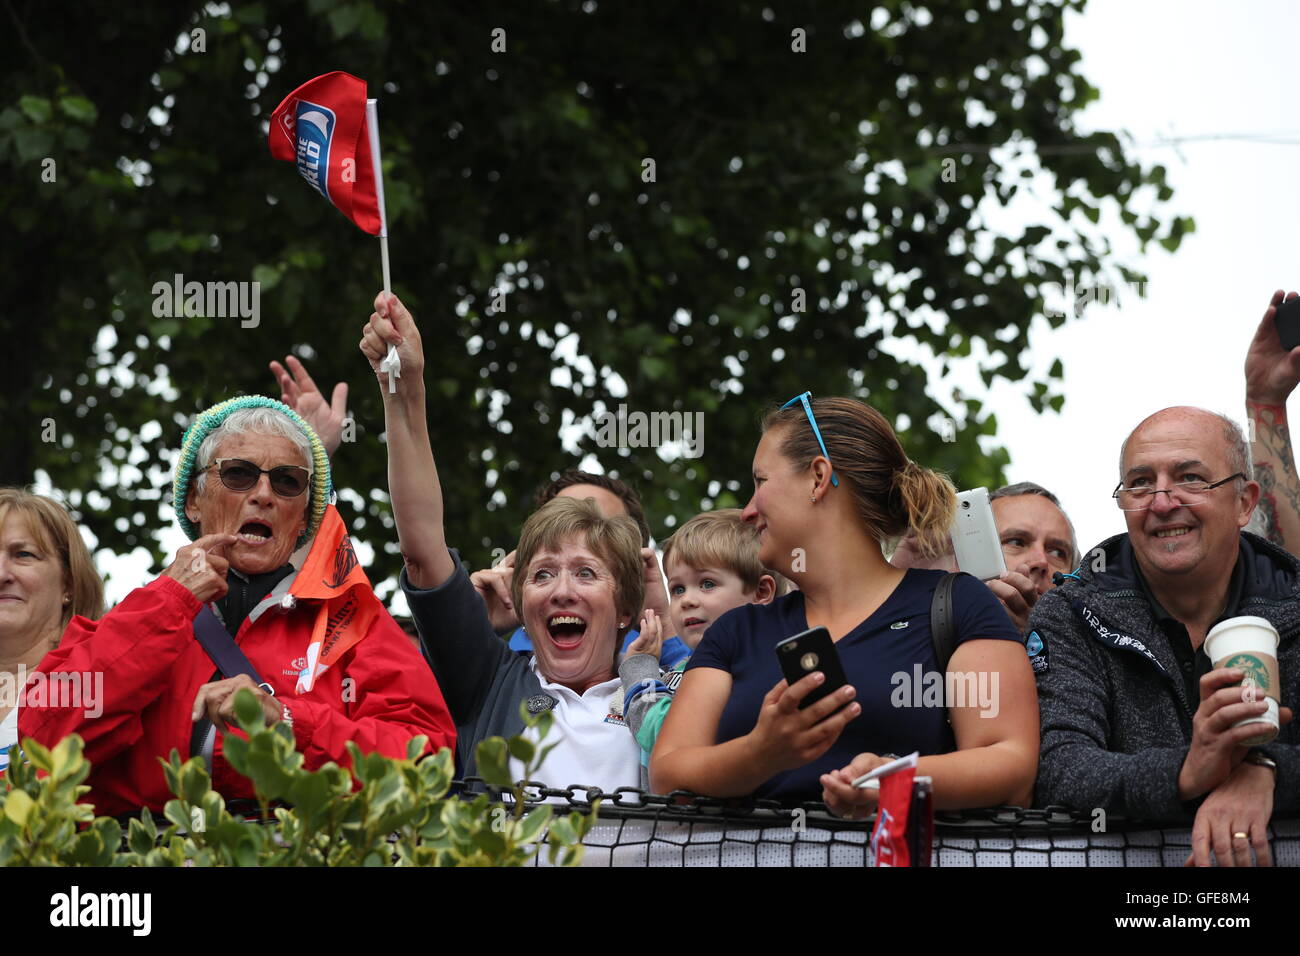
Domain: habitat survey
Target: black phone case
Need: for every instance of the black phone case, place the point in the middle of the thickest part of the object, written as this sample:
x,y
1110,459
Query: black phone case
x,y
817,640
1287,319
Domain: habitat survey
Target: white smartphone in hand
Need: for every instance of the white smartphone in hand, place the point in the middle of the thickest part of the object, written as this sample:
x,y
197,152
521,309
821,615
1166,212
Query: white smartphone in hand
x,y
975,540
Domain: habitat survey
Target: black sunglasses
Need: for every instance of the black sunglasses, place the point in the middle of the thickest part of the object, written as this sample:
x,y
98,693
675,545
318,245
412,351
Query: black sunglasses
x,y
287,481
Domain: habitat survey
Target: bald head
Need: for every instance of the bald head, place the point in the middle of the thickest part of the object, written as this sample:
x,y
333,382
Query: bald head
x,y
1186,538
1230,438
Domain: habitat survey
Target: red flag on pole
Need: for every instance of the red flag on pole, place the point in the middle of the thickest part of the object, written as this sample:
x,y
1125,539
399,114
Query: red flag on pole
x,y
322,127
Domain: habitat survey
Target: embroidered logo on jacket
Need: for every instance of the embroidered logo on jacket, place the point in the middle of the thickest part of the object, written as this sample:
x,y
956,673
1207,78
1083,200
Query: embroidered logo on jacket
x,y
541,702
1037,652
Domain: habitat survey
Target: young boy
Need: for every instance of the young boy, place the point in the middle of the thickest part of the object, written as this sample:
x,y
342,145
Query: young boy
x,y
712,566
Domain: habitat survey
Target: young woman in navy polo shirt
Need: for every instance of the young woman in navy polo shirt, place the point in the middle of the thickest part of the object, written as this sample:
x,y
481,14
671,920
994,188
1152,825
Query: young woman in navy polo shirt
x,y
831,482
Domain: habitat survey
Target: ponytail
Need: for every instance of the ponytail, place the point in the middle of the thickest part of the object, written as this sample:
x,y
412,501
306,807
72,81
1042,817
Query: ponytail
x,y
927,502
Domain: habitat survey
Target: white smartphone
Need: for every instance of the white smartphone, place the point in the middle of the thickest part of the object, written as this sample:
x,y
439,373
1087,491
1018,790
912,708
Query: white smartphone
x,y
975,540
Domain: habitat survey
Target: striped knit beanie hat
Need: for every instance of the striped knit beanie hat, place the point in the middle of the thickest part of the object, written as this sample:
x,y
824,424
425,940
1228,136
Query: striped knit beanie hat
x,y
208,421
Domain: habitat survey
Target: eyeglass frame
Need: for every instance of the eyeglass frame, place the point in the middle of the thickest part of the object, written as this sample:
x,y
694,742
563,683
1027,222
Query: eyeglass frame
x,y
817,432
306,485
1170,491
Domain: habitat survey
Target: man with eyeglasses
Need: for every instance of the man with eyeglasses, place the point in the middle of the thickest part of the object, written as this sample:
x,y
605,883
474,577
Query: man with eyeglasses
x,y
1134,718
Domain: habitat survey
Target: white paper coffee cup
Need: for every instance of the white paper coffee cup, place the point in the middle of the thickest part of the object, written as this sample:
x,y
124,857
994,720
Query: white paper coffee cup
x,y
1250,644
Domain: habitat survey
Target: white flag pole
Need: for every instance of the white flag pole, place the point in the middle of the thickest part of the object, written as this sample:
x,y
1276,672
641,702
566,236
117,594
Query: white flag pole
x,y
392,363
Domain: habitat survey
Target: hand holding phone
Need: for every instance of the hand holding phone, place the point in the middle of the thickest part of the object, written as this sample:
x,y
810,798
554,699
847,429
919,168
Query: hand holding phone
x,y
803,714
811,650
1287,320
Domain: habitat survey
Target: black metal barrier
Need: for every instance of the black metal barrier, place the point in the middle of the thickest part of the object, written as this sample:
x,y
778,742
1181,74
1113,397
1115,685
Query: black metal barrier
x,y
638,829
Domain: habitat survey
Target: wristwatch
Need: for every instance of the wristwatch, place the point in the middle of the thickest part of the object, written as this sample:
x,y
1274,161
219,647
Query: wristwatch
x,y
1260,759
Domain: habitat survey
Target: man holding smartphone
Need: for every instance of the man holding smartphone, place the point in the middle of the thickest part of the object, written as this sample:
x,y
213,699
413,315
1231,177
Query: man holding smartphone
x,y
1037,539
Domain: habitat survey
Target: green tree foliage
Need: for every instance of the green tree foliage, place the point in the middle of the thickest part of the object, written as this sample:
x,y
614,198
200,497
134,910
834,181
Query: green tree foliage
x,y
400,814
848,174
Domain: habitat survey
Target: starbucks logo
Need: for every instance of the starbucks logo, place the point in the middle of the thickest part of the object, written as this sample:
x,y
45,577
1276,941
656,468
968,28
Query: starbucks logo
x,y
1256,671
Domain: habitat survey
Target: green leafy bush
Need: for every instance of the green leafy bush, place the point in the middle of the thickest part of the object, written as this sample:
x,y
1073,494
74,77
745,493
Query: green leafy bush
x,y
401,815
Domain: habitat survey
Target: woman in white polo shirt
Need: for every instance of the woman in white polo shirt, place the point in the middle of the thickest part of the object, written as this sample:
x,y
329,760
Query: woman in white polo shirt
x,y
578,584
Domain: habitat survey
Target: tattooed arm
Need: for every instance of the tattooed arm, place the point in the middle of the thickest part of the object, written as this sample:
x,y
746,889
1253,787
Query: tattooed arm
x,y
1271,375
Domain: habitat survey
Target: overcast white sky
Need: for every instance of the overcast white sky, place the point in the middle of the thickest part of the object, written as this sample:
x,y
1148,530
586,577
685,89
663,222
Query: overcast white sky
x,y
1165,69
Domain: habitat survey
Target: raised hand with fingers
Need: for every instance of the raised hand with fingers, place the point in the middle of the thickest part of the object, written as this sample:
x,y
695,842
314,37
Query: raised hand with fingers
x,y
1272,371
656,595
493,586
299,392
651,639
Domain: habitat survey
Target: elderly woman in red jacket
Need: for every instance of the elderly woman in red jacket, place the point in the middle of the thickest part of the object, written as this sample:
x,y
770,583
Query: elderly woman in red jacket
x,y
311,642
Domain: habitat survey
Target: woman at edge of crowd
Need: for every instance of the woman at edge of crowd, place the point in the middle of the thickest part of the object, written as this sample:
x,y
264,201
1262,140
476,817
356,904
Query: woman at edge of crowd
x,y
831,483
47,577
251,486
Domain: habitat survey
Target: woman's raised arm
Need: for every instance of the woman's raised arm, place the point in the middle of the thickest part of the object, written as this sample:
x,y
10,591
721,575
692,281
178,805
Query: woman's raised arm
x,y
412,476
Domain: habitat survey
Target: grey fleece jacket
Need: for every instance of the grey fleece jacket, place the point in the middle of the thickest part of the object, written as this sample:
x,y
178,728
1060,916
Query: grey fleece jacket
x,y
1116,719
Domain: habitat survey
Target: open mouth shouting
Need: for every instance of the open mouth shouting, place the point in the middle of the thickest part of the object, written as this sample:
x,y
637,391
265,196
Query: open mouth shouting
x,y
566,630
255,532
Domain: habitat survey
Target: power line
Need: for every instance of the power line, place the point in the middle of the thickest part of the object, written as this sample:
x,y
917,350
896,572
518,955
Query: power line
x,y
1263,139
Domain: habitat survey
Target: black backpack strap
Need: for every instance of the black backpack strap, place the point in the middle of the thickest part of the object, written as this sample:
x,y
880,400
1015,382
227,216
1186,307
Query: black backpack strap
x,y
942,629
221,647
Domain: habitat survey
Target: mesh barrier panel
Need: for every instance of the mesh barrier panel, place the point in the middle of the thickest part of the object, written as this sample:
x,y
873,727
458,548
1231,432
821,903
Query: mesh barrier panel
x,y
638,829
664,839
634,828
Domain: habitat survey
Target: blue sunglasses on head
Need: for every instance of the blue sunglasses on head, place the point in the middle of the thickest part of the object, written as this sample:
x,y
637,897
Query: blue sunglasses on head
x,y
807,409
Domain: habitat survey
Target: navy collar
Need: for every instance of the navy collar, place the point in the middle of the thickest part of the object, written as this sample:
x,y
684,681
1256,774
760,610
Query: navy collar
x,y
1236,585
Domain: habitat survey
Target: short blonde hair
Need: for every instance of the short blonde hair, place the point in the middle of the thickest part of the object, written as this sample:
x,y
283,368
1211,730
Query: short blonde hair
x,y
56,533
616,541
721,539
